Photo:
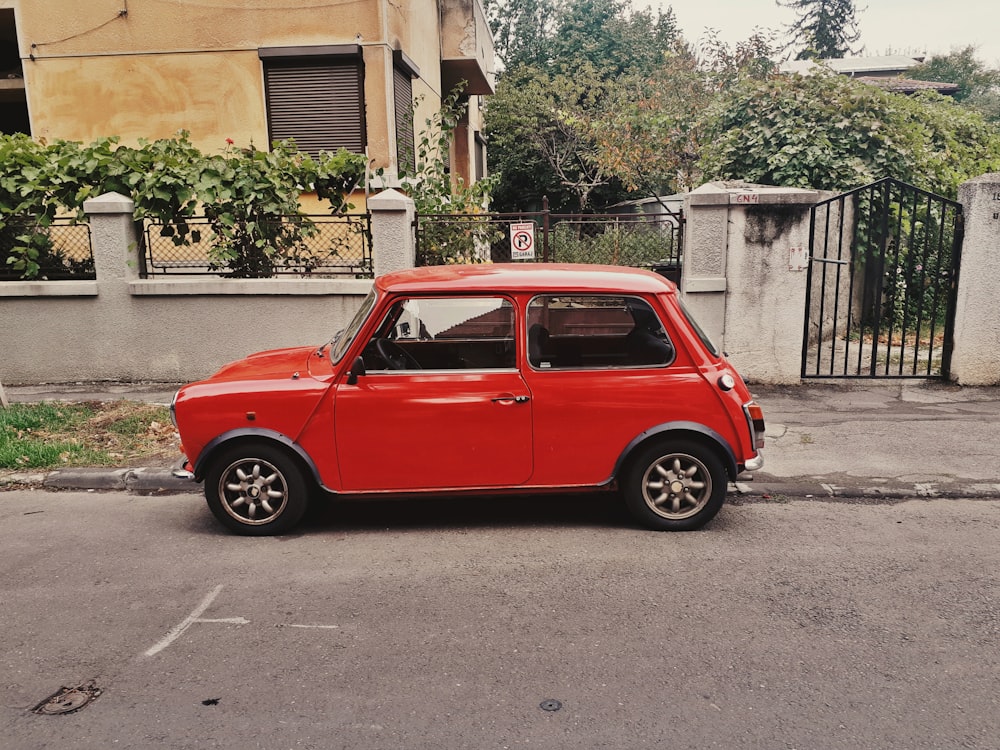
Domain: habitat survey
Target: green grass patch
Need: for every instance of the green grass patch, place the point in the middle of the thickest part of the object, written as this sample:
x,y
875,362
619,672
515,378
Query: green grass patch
x,y
50,434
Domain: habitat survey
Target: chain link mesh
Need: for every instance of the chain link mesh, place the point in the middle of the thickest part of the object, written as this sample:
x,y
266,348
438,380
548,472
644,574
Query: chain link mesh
x,y
302,246
62,250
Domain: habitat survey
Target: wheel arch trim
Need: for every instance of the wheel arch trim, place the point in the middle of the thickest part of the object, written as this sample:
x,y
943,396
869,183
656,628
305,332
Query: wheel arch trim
x,y
226,438
680,429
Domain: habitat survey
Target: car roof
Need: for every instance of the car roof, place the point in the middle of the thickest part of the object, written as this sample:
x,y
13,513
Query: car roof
x,y
525,277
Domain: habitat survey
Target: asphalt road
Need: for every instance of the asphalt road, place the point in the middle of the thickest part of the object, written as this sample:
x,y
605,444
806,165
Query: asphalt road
x,y
796,624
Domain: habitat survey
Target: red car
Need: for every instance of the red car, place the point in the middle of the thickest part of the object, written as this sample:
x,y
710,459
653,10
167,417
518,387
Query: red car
x,y
475,380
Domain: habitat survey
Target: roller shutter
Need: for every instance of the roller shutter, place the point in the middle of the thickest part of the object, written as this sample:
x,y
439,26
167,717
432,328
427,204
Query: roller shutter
x,y
318,102
402,86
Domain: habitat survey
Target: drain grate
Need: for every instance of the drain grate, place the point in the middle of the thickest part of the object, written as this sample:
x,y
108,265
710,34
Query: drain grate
x,y
66,700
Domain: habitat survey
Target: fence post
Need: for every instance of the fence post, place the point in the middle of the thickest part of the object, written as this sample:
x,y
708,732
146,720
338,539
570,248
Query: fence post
x,y
742,275
116,243
975,360
393,241
545,229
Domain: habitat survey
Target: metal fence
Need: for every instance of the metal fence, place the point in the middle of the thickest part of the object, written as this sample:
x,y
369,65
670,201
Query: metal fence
x,y
62,250
303,246
651,241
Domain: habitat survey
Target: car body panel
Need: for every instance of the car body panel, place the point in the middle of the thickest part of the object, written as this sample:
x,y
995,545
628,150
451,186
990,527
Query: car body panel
x,y
434,430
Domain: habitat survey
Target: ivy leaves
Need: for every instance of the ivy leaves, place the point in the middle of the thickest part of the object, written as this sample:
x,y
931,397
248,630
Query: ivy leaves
x,y
239,190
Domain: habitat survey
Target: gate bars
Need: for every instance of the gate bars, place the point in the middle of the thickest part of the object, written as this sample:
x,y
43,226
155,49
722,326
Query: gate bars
x,y
882,283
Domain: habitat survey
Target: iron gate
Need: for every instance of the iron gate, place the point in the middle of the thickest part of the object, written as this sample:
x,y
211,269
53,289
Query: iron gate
x,y
882,281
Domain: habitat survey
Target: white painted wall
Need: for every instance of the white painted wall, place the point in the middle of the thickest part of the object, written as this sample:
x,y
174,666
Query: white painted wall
x,y
743,275
976,357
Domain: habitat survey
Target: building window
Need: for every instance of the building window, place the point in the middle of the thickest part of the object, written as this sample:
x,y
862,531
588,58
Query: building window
x,y
480,157
315,95
13,101
403,72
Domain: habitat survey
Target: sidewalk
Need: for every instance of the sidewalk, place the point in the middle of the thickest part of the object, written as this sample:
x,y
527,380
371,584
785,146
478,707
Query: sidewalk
x,y
863,440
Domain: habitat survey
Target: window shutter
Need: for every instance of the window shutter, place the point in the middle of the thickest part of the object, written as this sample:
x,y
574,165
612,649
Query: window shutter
x,y
317,102
402,87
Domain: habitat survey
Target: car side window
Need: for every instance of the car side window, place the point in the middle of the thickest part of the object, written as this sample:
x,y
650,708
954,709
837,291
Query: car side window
x,y
444,333
601,331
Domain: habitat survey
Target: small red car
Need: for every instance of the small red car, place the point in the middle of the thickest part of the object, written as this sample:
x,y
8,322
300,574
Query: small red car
x,y
475,380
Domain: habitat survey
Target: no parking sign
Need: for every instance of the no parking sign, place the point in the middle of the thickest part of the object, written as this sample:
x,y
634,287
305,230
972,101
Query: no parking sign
x,y
522,241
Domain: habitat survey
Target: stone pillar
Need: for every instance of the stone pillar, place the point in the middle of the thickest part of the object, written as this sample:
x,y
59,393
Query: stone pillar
x,y
393,239
975,360
112,324
703,270
745,274
115,242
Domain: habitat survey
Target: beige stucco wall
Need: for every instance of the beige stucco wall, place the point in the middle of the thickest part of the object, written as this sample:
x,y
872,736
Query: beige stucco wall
x,y
170,66
215,96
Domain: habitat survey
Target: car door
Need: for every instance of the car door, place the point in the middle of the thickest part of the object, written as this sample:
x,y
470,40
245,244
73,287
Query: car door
x,y
602,370
441,404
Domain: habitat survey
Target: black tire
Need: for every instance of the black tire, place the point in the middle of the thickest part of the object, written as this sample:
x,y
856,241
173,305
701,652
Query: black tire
x,y
256,489
675,485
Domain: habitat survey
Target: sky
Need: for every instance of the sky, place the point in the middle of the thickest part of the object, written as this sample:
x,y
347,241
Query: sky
x,y
911,27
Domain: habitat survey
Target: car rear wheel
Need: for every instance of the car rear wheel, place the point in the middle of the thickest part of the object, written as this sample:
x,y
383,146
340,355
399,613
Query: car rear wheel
x,y
675,486
256,489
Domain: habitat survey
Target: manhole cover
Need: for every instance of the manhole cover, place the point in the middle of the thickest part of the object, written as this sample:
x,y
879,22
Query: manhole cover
x,y
67,700
550,705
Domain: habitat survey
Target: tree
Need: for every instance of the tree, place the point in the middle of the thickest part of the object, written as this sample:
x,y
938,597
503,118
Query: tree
x,y
521,30
832,132
825,29
538,120
539,130
650,133
978,86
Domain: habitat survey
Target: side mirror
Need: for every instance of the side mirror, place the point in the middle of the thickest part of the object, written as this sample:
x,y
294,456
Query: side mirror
x,y
356,371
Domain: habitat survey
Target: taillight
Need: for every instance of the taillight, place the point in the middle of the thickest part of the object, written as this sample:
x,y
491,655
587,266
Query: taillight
x,y
755,417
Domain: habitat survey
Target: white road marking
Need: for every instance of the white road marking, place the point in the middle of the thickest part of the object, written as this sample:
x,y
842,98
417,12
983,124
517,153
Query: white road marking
x,y
316,627
177,631
188,621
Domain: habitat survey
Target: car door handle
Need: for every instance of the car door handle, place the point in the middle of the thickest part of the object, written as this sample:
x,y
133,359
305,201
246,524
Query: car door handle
x,y
511,399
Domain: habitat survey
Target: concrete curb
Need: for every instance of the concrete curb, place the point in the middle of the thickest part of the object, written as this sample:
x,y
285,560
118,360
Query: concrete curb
x,y
144,481
818,490
137,481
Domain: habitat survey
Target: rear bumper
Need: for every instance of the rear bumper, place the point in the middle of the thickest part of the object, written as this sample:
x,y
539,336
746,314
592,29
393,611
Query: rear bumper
x,y
754,464
182,469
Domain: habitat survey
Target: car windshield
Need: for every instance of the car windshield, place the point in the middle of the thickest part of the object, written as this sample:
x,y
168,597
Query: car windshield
x,y
342,340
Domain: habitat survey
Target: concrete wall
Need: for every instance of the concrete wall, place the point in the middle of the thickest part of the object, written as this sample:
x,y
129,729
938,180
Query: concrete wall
x,y
744,278
744,274
121,327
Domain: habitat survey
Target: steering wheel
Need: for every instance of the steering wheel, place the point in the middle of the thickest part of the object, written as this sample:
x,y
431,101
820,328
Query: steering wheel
x,y
396,356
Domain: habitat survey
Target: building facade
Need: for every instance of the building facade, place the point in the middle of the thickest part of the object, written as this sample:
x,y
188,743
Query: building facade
x,y
358,74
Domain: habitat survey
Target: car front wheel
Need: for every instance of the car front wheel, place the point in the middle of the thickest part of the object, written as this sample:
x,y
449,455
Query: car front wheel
x,y
256,490
675,486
